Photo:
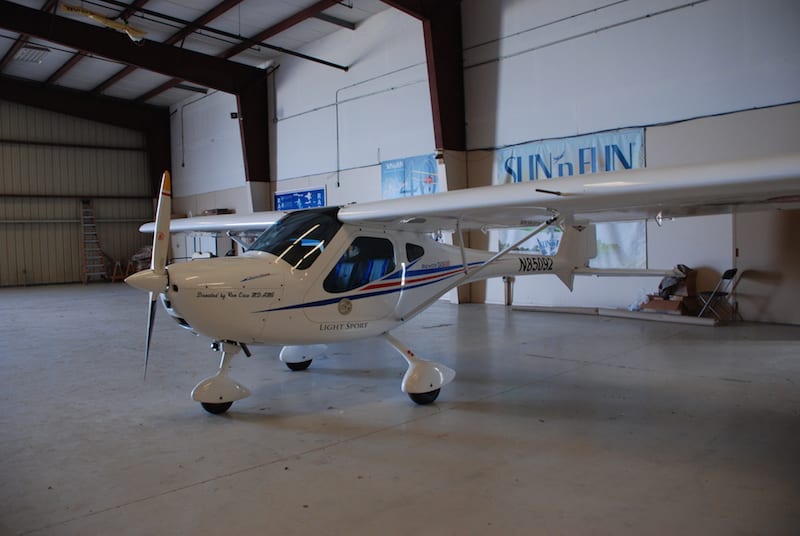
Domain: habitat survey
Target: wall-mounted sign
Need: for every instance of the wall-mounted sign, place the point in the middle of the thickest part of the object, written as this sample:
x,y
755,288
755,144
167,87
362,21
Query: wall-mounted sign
x,y
406,177
297,199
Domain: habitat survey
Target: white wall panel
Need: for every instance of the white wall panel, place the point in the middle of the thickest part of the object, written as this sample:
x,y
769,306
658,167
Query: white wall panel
x,y
206,145
393,123
390,42
306,143
633,63
380,109
324,119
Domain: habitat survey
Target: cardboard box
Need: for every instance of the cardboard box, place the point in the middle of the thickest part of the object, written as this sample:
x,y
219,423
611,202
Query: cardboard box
x,y
660,305
691,305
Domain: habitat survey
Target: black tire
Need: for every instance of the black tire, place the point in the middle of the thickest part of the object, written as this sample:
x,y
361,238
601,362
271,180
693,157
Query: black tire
x,y
216,408
424,398
302,365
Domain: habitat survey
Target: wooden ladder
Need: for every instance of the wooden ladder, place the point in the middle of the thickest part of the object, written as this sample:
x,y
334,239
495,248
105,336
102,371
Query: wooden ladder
x,y
94,260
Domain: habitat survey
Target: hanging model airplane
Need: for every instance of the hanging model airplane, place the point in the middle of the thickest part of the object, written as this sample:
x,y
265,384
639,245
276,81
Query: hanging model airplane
x,y
334,274
134,33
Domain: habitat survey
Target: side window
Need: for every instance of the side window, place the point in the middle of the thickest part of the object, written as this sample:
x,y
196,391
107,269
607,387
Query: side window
x,y
365,260
414,252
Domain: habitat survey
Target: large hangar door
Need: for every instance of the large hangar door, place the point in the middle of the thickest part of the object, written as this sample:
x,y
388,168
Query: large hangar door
x,y
37,240
49,162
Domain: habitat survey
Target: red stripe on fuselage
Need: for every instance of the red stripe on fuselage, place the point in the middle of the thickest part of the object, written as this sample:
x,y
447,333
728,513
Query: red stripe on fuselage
x,y
412,281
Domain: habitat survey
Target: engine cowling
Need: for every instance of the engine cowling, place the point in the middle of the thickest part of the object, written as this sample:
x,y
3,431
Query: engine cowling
x,y
224,298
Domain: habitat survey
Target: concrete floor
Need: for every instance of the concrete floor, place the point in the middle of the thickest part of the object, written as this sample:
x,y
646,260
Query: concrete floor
x,y
556,424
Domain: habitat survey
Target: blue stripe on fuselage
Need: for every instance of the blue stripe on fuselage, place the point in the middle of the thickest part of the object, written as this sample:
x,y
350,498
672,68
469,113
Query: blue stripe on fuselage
x,y
395,275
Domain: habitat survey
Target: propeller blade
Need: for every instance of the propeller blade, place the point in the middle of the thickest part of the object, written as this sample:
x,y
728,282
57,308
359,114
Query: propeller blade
x,y
151,314
156,279
158,261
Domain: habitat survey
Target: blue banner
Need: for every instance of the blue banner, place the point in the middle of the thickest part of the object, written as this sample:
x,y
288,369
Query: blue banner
x,y
406,177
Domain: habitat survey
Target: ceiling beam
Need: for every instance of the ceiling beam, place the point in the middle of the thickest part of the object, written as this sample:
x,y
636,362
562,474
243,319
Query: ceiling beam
x,y
248,42
78,56
183,33
263,35
252,105
199,68
110,110
441,27
283,25
247,83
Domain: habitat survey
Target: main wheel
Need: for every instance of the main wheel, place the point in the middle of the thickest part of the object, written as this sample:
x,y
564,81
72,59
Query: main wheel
x,y
424,398
302,365
216,408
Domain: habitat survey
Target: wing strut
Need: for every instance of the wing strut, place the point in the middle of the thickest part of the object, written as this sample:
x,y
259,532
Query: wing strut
x,y
471,274
242,244
461,246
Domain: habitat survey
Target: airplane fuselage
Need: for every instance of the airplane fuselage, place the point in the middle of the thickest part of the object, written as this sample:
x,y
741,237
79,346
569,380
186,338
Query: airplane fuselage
x,y
361,283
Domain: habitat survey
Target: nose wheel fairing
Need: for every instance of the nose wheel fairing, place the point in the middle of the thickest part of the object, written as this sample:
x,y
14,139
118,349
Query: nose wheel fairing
x,y
216,393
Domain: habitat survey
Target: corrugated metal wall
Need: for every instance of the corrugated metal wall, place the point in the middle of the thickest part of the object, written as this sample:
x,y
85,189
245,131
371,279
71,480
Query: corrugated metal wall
x,y
49,162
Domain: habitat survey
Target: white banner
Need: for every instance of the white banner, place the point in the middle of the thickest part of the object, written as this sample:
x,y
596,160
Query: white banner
x,y
619,245
579,155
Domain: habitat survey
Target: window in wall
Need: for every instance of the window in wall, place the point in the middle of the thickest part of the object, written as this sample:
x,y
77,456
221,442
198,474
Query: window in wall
x,y
366,259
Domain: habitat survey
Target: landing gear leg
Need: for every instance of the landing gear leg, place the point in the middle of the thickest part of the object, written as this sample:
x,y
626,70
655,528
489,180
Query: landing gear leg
x,y
217,393
424,379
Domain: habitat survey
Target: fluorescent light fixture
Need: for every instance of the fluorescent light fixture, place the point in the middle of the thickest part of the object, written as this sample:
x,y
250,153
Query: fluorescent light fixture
x,y
31,53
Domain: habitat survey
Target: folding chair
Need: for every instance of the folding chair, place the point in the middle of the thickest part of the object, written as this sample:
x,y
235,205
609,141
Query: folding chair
x,y
720,296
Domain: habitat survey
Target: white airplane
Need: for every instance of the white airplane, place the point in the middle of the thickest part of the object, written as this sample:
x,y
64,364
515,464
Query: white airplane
x,y
334,274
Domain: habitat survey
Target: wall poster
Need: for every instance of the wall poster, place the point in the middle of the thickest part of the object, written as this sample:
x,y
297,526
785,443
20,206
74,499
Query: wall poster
x,y
619,244
407,177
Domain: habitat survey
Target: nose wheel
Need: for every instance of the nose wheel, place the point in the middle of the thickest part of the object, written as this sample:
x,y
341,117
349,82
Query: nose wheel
x,y
424,398
216,408
295,367
298,358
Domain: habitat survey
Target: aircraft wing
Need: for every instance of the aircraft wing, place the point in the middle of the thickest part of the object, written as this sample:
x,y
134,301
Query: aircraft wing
x,y
258,221
616,196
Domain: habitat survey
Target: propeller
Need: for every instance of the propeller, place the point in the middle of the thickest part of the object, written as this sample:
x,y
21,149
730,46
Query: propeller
x,y
156,279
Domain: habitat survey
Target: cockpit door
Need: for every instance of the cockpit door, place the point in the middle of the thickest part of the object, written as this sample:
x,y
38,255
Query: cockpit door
x,y
362,285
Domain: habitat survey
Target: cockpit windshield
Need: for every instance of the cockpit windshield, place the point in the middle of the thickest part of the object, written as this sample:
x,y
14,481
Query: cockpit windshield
x,y
299,237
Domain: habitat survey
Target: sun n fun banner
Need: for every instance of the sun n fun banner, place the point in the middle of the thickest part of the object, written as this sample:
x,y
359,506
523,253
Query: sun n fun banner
x,y
619,245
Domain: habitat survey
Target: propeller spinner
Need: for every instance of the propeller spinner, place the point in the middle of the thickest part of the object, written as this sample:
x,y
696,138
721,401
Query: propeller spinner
x,y
156,279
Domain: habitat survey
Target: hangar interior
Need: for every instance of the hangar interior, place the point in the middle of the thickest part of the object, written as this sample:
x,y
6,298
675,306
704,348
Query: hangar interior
x,y
556,424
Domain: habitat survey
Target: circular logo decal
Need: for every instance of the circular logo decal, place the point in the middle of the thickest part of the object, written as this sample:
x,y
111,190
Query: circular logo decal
x,y
345,306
